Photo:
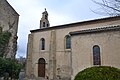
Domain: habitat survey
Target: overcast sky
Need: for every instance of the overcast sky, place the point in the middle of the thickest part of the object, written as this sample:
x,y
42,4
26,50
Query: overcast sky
x,y
60,12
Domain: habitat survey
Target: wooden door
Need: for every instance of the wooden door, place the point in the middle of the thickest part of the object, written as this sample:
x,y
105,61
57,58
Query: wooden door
x,y
41,67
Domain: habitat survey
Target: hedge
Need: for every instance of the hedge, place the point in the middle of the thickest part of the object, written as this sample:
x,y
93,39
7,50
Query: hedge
x,y
99,73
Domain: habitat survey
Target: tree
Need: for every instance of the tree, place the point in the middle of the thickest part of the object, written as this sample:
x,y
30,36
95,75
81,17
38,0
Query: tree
x,y
109,7
9,66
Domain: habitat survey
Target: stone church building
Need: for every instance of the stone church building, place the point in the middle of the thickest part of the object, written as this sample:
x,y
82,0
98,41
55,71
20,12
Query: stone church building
x,y
9,22
60,52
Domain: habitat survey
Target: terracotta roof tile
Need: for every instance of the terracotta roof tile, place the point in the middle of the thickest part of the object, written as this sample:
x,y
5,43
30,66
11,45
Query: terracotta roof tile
x,y
111,28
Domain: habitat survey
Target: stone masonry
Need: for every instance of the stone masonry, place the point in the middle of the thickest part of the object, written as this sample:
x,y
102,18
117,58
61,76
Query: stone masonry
x,y
9,22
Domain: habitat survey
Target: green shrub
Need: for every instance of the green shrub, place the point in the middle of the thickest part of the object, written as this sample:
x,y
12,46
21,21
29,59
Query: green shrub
x,y
4,40
9,66
99,73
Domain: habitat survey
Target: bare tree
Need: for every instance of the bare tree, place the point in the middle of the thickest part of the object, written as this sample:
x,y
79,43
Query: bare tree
x,y
109,7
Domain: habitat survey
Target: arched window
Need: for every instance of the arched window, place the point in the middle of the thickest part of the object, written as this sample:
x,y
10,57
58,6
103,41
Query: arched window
x,y
47,25
42,44
43,24
68,42
96,55
46,17
41,67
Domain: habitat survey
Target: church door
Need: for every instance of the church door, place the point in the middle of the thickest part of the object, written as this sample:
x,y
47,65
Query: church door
x,y
41,67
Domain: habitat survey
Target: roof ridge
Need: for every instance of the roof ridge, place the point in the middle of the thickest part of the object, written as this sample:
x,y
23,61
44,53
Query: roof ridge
x,y
115,27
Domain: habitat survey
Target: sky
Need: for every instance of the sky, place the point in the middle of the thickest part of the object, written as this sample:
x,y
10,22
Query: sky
x,y
60,12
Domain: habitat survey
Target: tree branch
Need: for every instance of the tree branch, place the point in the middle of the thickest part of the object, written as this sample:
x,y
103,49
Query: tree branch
x,y
110,7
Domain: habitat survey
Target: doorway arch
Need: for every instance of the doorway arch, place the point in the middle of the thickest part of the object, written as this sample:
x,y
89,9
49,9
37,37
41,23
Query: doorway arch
x,y
41,67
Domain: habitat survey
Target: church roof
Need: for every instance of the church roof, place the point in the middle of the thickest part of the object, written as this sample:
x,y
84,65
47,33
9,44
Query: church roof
x,y
101,20
103,29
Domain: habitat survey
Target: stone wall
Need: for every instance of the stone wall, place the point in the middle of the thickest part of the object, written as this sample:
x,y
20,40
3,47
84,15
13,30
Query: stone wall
x,y
9,22
82,53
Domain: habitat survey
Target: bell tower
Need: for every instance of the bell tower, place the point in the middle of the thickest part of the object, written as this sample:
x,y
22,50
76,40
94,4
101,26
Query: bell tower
x,y
44,23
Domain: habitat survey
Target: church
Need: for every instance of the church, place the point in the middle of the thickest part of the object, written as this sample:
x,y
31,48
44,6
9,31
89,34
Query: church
x,y
60,52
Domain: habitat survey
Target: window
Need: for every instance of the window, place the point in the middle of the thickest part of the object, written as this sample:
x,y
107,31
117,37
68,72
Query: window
x,y
43,24
42,44
46,17
96,55
68,42
47,25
